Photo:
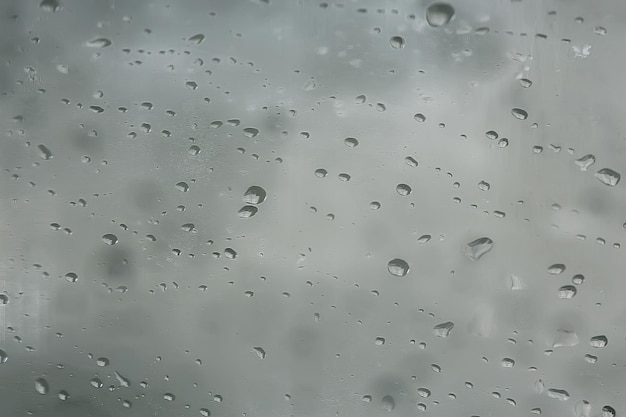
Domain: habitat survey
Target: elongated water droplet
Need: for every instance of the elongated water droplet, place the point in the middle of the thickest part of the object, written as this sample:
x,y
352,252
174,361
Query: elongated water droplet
x,y
99,43
556,269
558,394
44,152
197,39
479,247
585,162
518,113
439,14
608,177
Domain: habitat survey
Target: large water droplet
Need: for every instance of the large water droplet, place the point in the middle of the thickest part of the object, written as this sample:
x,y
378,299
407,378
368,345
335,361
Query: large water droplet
x,y
558,394
41,386
520,114
110,239
608,411
388,403
479,247
443,329
599,341
398,267
403,189
608,177
254,195
397,42
247,211
439,14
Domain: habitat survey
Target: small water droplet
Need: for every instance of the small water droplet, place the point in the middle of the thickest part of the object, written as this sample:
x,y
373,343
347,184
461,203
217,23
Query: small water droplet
x,y
591,358
410,161
71,277
379,341
423,392
63,395
484,186
99,43
361,99
260,352
191,85
582,408
479,247
254,195
578,279
403,189
102,362
599,341
321,173
398,267
424,239
96,383
600,30
50,5
3,356
110,239
520,114
419,117
567,291
194,150
388,403
443,329
247,211
492,135
556,269
374,205
168,396
41,386
439,14
507,363
397,42
608,177
182,186
204,412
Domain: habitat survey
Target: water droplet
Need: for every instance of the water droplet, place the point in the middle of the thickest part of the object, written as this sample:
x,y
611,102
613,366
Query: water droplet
x,y
443,329
582,408
599,341
484,186
492,135
194,150
578,279
125,382
608,411
556,269
423,239
250,132
260,352
321,173
127,404
439,14
608,177
63,395
41,386
230,253
191,85
96,383
71,277
50,5
361,99
351,142
520,114
565,338
398,267
254,195
507,363
419,117
344,177
182,186
423,392
410,161
403,189
388,403
591,358
525,82
168,396
379,341
99,43
44,152
110,239
479,247
247,211
197,39
204,412
421,407
558,394
567,291
585,162
367,398
397,42
102,362
599,30
374,205
3,356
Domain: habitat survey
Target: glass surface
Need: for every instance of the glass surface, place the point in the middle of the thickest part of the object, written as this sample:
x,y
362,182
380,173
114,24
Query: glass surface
x,y
303,208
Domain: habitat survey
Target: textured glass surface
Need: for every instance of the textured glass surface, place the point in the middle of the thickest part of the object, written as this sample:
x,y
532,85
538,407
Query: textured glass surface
x,y
303,208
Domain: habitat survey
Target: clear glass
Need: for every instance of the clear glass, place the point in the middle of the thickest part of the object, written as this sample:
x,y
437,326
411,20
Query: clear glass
x,y
304,208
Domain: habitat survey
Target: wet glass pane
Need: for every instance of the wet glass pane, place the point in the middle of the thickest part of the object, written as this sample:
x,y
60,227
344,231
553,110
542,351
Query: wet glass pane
x,y
303,208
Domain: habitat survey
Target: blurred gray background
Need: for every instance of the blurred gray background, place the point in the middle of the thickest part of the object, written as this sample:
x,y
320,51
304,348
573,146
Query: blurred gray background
x,y
141,275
